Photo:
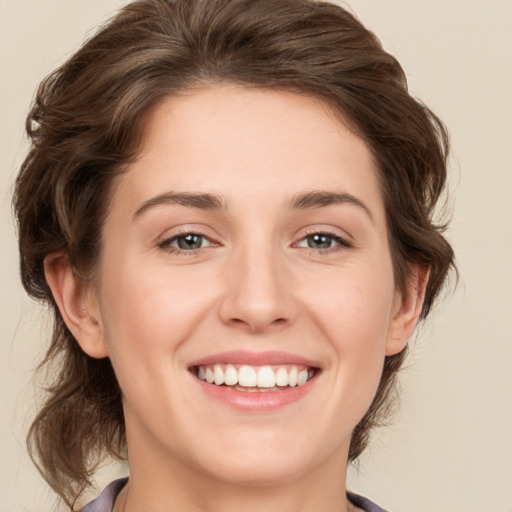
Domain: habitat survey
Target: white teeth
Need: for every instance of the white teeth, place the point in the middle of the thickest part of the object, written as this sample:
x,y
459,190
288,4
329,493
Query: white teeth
x,y
209,375
230,375
264,377
247,376
218,374
292,377
302,378
282,377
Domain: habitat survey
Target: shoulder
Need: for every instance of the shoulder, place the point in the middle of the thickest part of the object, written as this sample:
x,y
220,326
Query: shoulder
x,y
105,501
364,503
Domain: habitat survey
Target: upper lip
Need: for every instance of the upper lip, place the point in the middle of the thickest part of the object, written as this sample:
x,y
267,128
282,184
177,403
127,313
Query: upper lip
x,y
241,357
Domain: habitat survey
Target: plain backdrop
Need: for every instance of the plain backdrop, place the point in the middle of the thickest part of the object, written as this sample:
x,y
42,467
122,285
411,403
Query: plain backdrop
x,y
449,448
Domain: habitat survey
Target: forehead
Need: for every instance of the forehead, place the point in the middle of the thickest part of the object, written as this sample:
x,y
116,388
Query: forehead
x,y
243,144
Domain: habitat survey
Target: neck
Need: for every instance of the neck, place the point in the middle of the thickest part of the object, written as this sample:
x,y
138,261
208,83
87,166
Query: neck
x,y
189,490
163,480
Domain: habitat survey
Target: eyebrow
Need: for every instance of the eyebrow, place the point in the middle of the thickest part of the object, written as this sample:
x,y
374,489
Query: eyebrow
x,y
322,198
206,201
190,199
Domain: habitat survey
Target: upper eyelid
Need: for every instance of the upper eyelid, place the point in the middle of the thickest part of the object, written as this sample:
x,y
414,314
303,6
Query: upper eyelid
x,y
333,232
166,240
176,232
167,244
215,240
342,241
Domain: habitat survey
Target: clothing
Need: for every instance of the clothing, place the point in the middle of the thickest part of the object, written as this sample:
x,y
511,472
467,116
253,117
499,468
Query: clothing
x,y
105,501
364,503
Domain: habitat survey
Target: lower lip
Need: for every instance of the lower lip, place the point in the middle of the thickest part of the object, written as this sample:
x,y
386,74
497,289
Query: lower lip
x,y
258,401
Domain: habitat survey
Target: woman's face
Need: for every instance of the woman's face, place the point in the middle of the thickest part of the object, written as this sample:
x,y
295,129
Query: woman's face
x,y
247,243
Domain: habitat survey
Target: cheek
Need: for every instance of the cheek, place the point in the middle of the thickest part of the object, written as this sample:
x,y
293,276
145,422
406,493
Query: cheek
x,y
146,318
148,309
354,306
354,314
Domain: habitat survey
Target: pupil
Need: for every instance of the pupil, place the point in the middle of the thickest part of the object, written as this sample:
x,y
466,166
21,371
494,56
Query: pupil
x,y
319,241
189,242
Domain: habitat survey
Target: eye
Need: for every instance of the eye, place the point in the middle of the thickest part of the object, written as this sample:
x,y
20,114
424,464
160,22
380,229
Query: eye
x,y
322,241
186,242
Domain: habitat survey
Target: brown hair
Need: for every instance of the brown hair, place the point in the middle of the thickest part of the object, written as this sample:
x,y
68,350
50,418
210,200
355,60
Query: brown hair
x,y
86,124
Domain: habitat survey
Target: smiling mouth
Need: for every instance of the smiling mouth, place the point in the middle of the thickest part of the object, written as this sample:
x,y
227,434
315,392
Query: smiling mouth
x,y
254,378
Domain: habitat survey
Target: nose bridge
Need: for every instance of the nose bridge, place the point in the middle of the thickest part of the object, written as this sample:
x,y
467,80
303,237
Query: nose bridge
x,y
258,294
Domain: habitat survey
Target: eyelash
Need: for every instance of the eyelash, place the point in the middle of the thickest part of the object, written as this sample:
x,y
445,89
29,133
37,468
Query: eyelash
x,y
342,243
166,244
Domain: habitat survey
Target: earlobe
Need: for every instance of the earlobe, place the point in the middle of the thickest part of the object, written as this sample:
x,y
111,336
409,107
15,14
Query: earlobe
x,y
407,309
77,307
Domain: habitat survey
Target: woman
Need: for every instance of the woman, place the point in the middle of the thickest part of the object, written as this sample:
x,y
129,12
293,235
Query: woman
x,y
228,205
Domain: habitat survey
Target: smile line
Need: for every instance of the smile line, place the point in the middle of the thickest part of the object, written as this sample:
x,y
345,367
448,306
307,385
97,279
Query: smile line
x,y
251,378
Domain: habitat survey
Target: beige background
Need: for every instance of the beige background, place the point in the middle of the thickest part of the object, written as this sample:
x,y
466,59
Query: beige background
x,y
450,447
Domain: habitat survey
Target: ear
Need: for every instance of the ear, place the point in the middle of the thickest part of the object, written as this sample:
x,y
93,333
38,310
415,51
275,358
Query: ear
x,y
77,305
407,309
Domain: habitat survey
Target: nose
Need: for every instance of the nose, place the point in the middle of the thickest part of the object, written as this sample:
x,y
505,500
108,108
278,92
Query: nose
x,y
258,293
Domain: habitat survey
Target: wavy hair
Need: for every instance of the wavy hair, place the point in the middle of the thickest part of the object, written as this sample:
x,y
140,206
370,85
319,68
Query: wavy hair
x,y
86,124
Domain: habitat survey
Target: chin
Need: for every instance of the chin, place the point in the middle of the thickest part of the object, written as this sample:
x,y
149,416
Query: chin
x,y
257,472
264,462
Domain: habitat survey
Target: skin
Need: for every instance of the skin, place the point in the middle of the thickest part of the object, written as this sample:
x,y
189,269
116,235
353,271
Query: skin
x,y
254,285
